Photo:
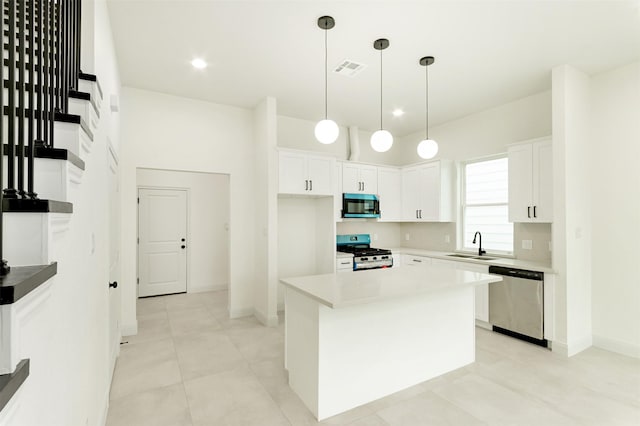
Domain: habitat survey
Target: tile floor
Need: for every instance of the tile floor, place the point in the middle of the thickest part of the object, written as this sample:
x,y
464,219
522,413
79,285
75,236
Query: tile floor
x,y
191,365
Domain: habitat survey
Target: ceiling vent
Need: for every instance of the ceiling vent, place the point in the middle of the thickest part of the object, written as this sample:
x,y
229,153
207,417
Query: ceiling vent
x,y
349,68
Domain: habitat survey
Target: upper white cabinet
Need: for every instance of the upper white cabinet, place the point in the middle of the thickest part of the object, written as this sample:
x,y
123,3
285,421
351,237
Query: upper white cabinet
x,y
301,173
389,193
359,178
427,192
531,181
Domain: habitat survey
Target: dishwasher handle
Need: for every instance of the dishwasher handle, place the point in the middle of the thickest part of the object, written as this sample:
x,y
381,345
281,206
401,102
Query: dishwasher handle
x,y
517,273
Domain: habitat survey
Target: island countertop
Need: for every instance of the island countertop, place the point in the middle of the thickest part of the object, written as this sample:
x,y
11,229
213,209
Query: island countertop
x,y
361,287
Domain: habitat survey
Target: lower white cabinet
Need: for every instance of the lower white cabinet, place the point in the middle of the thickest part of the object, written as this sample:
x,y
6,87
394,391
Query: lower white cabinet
x,y
397,260
344,264
482,291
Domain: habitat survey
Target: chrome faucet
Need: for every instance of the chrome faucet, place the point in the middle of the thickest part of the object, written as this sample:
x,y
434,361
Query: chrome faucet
x,y
480,251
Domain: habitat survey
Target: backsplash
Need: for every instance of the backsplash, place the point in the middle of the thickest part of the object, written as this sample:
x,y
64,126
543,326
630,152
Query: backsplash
x,y
540,236
388,233
433,236
429,236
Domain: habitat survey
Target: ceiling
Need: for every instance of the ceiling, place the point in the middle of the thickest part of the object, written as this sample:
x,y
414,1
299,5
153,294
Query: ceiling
x,y
487,53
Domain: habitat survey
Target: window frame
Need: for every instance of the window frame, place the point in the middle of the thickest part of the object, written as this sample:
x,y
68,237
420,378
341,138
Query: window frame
x,y
463,205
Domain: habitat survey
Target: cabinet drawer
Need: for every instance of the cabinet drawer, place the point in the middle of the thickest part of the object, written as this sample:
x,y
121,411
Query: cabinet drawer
x,y
344,265
412,260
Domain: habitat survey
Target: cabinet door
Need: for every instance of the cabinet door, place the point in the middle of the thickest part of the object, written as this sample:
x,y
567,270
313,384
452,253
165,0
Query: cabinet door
x,y
292,173
520,183
351,178
390,194
337,196
450,264
542,182
429,192
320,172
482,291
369,179
410,194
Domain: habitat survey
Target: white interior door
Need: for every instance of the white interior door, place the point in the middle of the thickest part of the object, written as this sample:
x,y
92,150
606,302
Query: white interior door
x,y
162,246
114,258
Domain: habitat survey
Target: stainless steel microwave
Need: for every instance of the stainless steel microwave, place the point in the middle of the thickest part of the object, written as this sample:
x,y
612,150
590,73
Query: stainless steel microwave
x,y
360,205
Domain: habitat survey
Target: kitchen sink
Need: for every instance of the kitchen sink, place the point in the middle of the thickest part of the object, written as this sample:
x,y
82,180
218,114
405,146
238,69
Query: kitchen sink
x,y
483,258
471,256
464,256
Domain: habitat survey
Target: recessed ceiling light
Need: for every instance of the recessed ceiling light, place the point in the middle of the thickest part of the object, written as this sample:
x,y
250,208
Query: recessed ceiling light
x,y
199,64
398,112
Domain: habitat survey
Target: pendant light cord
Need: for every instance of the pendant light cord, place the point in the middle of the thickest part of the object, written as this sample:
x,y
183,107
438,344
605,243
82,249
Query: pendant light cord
x,y
380,89
427,100
325,75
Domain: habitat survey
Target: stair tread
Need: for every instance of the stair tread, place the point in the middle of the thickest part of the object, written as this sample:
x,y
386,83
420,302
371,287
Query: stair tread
x,y
59,117
22,280
54,154
10,383
25,205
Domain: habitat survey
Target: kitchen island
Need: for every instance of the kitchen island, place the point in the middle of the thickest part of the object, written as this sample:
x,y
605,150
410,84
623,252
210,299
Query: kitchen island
x,y
352,338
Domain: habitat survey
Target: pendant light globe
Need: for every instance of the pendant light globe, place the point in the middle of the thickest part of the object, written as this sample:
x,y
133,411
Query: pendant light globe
x,y
327,131
381,141
427,149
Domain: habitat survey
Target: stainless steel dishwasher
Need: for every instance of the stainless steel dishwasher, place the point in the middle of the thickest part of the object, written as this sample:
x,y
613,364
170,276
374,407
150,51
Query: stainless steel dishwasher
x,y
516,304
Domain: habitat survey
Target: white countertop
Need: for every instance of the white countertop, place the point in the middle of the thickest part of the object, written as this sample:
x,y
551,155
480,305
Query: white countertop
x,y
497,261
342,290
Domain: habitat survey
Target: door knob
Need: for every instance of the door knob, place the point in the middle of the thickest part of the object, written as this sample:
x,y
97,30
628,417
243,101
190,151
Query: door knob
x,y
113,284
182,239
182,247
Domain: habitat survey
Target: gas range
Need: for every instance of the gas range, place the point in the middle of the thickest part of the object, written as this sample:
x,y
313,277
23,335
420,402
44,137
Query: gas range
x,y
364,256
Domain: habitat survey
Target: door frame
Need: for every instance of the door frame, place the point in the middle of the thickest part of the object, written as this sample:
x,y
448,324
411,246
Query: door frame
x,y
188,260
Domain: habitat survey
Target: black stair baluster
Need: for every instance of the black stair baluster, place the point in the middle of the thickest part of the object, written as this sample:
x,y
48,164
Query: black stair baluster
x,y
78,20
22,87
57,8
46,90
40,106
52,65
10,191
32,111
4,268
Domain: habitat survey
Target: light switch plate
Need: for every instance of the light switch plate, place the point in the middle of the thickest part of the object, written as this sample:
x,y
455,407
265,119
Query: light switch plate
x,y
447,238
407,236
527,244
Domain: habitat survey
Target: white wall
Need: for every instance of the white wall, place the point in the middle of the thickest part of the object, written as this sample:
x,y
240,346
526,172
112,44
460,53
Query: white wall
x,y
571,209
486,132
265,286
207,226
306,238
169,132
615,209
295,133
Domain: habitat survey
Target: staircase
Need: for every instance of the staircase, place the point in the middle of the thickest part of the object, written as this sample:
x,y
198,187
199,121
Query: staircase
x,y
50,112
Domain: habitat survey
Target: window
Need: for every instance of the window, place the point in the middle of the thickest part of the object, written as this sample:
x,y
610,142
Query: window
x,y
485,207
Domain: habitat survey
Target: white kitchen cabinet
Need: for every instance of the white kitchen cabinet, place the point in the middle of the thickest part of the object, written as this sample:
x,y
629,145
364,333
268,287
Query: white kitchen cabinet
x,y
359,178
337,191
427,192
413,260
344,264
305,174
390,194
397,260
482,291
531,181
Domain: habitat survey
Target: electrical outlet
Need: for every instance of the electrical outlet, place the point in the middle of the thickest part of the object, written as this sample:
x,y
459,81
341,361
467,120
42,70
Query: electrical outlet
x,y
447,238
375,237
527,244
407,237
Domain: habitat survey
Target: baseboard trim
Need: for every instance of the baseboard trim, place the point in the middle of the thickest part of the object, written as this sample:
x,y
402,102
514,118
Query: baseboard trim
x,y
240,313
105,407
578,345
130,329
617,346
267,321
207,289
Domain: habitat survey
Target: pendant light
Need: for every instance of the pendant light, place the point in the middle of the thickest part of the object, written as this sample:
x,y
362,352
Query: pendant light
x,y
381,140
427,148
326,130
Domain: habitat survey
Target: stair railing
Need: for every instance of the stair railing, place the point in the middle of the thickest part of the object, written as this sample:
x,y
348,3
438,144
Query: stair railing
x,y
41,51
